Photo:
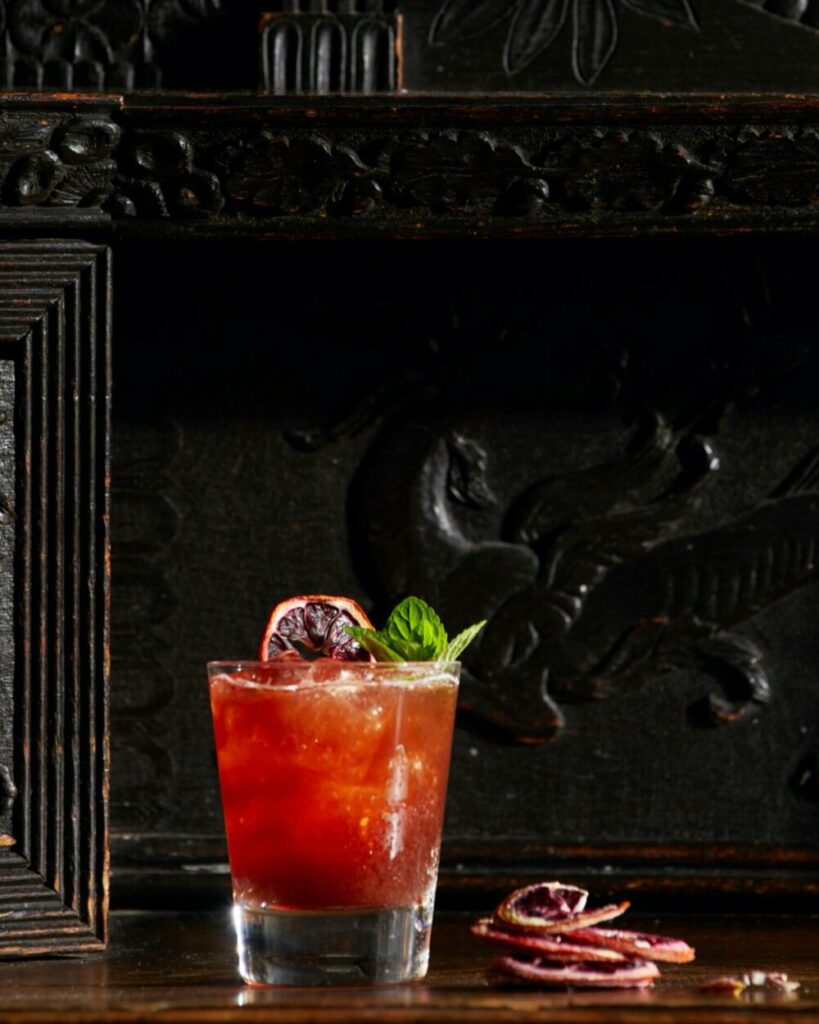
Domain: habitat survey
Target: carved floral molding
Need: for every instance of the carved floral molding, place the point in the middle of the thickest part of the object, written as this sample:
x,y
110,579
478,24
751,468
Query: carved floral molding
x,y
530,27
258,175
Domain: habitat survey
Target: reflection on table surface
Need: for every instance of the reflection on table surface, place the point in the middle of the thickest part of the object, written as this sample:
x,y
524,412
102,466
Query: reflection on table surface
x,y
160,965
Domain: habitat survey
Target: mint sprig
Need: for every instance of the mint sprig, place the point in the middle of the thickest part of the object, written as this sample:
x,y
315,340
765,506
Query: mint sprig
x,y
457,645
414,632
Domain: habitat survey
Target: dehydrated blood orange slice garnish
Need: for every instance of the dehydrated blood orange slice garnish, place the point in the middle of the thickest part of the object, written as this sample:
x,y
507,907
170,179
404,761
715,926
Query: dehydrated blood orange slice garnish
x,y
634,974
640,944
550,940
550,947
553,907
314,622
542,901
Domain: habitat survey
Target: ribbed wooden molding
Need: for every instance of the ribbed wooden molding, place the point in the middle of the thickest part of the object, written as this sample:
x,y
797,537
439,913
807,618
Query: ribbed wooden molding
x,y
54,354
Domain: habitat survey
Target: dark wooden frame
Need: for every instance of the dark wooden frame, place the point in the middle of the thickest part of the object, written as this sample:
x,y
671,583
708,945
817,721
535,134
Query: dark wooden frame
x,y
235,166
55,328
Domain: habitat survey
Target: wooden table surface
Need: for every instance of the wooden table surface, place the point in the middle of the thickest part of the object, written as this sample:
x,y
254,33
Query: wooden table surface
x,y
180,967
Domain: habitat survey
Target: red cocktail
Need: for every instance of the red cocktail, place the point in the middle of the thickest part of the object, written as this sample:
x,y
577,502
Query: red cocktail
x,y
333,777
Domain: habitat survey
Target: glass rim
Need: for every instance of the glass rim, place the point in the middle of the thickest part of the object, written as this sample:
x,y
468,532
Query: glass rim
x,y
224,663
294,675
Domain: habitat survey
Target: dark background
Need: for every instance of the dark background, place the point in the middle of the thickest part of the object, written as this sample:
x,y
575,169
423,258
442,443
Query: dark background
x,y
545,354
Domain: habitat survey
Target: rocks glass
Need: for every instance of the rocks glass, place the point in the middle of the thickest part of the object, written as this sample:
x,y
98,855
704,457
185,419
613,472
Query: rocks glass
x,y
333,777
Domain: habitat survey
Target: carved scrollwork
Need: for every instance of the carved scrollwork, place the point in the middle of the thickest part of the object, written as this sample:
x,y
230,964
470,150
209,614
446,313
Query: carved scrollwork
x,y
544,176
635,171
495,174
281,175
450,171
161,174
597,581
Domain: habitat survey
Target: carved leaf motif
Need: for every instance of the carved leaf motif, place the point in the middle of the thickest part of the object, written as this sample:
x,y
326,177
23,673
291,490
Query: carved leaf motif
x,y
534,28
537,23
85,184
451,173
595,37
283,175
678,11
631,172
460,19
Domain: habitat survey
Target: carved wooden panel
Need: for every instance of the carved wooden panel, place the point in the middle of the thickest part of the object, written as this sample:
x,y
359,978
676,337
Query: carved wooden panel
x,y
565,45
256,167
609,450
319,51
453,46
54,414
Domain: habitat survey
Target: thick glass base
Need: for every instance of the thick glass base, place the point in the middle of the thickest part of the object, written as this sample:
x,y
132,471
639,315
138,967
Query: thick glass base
x,y
332,947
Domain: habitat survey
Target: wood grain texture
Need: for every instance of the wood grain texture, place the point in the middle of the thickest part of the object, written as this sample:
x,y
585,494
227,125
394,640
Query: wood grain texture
x,y
54,330
181,968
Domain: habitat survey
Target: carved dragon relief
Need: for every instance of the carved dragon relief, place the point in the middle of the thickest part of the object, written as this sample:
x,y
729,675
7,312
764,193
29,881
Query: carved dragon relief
x,y
532,26
597,582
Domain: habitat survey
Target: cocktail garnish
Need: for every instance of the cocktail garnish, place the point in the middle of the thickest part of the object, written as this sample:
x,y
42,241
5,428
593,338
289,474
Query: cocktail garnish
x,y
413,632
314,623
549,938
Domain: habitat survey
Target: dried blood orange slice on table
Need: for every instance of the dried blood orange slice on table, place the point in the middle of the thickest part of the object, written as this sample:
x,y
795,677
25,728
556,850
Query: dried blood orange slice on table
x,y
553,907
637,974
314,623
551,939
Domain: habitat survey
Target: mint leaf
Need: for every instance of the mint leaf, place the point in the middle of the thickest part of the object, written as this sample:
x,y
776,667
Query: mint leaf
x,y
459,644
415,631
372,641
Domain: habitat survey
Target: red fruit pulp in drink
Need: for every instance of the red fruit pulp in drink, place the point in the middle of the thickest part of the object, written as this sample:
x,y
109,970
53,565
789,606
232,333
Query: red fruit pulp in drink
x,y
333,792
